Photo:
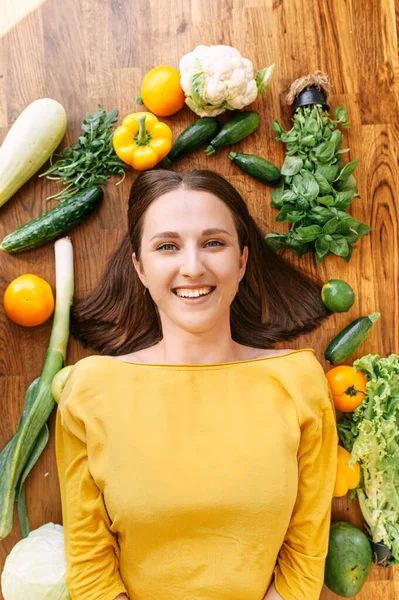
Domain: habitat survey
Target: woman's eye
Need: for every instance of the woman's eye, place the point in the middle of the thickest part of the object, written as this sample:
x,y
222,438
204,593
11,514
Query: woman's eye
x,y
212,243
215,242
166,246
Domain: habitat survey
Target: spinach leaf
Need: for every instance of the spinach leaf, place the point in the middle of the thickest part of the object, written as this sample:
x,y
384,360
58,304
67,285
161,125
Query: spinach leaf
x,y
325,152
277,194
324,186
339,245
343,200
292,165
308,234
329,172
347,170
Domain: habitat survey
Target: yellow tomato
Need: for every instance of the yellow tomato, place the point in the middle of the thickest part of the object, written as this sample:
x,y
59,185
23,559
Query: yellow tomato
x,y
161,91
29,300
347,477
348,387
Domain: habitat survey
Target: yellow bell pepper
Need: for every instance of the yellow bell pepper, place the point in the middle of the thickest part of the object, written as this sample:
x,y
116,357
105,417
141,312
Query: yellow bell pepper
x,y
142,141
347,477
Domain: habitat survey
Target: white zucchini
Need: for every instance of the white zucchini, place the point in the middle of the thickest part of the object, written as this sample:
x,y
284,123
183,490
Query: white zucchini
x,y
31,141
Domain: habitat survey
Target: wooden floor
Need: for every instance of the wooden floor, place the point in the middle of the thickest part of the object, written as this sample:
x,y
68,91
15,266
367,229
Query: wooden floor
x,y
82,53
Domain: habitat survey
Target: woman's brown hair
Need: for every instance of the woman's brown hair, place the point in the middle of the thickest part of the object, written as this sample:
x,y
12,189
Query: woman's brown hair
x,y
275,300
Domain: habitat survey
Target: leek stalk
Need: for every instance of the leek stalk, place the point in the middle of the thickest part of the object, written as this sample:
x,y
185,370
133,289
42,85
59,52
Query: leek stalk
x,y
20,454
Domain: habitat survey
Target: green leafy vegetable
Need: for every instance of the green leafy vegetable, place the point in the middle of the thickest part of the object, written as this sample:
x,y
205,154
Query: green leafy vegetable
x,y
317,188
91,161
371,434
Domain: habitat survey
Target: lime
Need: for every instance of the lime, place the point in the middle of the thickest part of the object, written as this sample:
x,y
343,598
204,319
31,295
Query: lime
x,y
337,295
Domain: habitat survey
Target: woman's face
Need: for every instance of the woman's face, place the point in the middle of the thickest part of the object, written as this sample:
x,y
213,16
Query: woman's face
x,y
190,259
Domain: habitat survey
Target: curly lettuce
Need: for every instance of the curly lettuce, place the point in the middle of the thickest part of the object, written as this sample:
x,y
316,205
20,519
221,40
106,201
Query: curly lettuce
x,y
371,434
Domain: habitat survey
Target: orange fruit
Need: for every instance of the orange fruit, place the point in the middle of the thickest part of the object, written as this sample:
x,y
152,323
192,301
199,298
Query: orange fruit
x,y
29,300
348,387
161,91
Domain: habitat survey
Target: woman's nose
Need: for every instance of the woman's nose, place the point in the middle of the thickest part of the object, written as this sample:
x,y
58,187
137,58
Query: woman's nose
x,y
192,264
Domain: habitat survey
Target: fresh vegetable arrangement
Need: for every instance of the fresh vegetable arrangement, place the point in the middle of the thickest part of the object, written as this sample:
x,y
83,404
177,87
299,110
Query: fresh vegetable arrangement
x,y
36,567
371,435
22,452
91,161
317,187
218,78
315,190
29,143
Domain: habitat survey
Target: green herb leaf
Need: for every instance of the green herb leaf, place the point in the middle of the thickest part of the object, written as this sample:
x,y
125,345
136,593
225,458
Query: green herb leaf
x,y
331,226
292,165
324,186
343,200
326,200
277,241
347,170
289,214
306,185
277,194
329,172
339,245
91,161
277,127
308,234
320,215
325,152
322,246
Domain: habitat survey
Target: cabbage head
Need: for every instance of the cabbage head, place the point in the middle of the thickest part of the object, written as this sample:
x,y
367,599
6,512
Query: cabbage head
x,y
35,569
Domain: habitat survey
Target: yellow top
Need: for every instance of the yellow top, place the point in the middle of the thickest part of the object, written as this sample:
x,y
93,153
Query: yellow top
x,y
189,482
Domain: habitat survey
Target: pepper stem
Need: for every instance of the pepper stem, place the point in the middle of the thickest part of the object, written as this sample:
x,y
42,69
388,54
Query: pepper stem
x,y
143,135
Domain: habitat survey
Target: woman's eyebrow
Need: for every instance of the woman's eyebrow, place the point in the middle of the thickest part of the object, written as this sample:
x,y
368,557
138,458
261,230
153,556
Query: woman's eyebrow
x,y
174,234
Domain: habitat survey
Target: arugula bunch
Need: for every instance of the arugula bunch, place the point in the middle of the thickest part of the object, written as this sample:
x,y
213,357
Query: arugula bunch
x,y
371,434
317,187
91,161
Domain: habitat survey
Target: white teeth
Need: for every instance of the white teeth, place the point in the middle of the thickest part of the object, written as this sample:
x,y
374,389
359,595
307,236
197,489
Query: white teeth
x,y
193,293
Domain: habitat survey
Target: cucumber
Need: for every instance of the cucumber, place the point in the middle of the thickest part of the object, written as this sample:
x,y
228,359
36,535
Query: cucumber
x,y
257,167
238,128
349,339
198,133
53,223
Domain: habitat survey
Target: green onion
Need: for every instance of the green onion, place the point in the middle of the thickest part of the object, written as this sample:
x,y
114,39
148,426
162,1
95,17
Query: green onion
x,y
21,453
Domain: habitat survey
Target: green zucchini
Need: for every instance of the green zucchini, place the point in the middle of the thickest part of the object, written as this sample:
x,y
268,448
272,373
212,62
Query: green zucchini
x,y
198,133
53,223
257,167
349,339
238,128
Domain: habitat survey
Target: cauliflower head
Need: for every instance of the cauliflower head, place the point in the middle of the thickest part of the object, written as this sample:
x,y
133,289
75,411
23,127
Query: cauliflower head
x,y
217,78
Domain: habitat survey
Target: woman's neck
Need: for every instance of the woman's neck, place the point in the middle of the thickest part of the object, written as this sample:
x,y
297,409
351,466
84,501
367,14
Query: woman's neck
x,y
194,349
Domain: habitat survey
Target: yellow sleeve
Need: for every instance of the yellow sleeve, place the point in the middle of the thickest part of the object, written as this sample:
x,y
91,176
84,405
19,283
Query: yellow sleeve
x,y
92,552
299,571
